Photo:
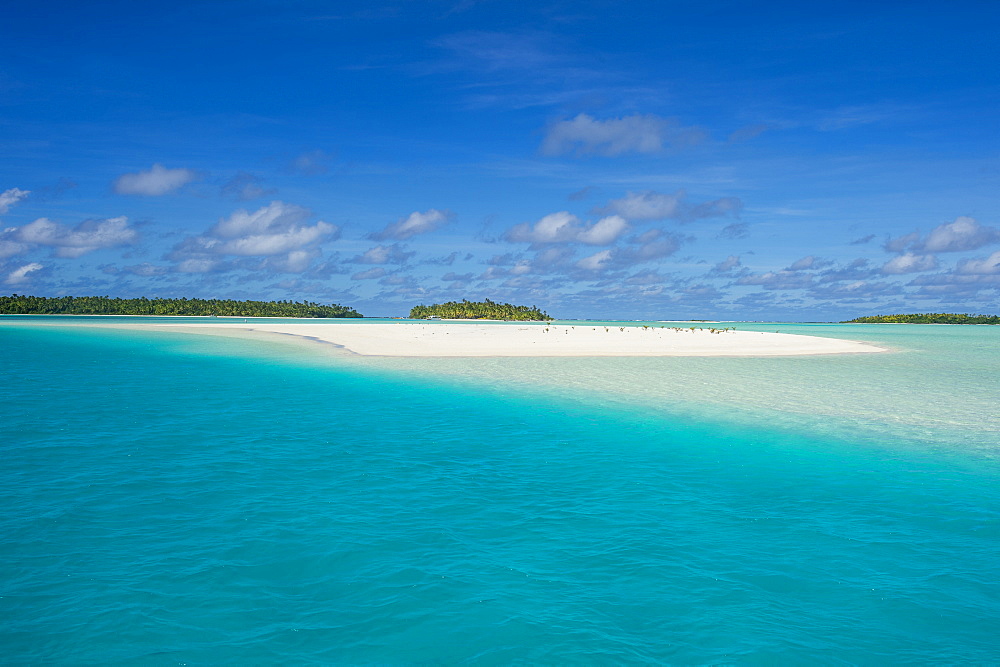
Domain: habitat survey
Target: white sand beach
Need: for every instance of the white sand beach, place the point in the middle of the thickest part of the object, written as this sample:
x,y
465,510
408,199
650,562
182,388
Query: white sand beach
x,y
450,339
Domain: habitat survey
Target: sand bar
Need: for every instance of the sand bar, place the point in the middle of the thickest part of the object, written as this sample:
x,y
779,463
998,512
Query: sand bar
x,y
448,339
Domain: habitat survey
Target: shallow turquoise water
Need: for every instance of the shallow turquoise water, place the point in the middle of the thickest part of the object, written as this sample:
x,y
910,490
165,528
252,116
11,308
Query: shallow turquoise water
x,y
180,499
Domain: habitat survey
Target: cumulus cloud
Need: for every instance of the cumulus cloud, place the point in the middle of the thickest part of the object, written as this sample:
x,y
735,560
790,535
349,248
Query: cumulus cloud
x,y
652,205
412,225
909,263
22,273
985,266
64,241
646,205
278,232
951,285
10,197
585,135
564,227
294,261
10,248
596,262
383,254
158,180
863,240
652,245
603,232
961,235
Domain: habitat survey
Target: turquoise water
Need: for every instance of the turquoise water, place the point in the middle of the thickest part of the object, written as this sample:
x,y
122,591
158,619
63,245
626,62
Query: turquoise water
x,y
184,499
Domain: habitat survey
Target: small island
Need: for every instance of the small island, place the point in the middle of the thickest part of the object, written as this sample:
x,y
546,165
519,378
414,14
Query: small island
x,y
926,318
477,310
103,305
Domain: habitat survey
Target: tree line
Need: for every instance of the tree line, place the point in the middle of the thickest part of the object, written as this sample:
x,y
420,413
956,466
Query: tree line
x,y
17,304
926,318
477,310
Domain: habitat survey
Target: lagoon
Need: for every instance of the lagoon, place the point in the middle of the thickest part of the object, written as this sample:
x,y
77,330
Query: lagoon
x,y
181,498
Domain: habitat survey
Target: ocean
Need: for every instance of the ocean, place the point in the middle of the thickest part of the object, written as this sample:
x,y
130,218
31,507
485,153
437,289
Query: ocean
x,y
180,499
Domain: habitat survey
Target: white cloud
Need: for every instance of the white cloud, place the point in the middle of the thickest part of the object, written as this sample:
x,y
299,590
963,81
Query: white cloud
x,y
595,262
276,243
630,134
10,248
654,244
21,274
652,205
564,227
296,261
275,218
603,232
86,237
10,197
962,234
203,265
278,232
558,227
413,224
986,266
909,263
157,181
647,205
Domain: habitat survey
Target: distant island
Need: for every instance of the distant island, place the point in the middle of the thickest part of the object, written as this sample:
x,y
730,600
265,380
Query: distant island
x,y
926,318
103,305
477,310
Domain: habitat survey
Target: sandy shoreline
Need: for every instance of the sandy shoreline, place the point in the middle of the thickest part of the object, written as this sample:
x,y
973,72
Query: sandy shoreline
x,y
445,339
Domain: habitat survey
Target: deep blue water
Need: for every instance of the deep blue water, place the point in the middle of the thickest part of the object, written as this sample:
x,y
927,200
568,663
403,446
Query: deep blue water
x,y
167,503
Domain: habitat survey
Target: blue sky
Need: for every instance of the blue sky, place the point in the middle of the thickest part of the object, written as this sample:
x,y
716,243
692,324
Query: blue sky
x,y
724,159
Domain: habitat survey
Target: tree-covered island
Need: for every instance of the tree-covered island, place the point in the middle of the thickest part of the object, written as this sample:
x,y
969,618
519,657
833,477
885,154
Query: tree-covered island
x,y
477,310
926,318
102,305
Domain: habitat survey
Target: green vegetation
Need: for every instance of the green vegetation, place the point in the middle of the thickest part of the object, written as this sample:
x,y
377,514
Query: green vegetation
x,y
477,310
926,318
102,305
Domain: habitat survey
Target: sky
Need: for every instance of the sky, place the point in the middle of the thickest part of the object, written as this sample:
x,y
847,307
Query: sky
x,y
626,160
